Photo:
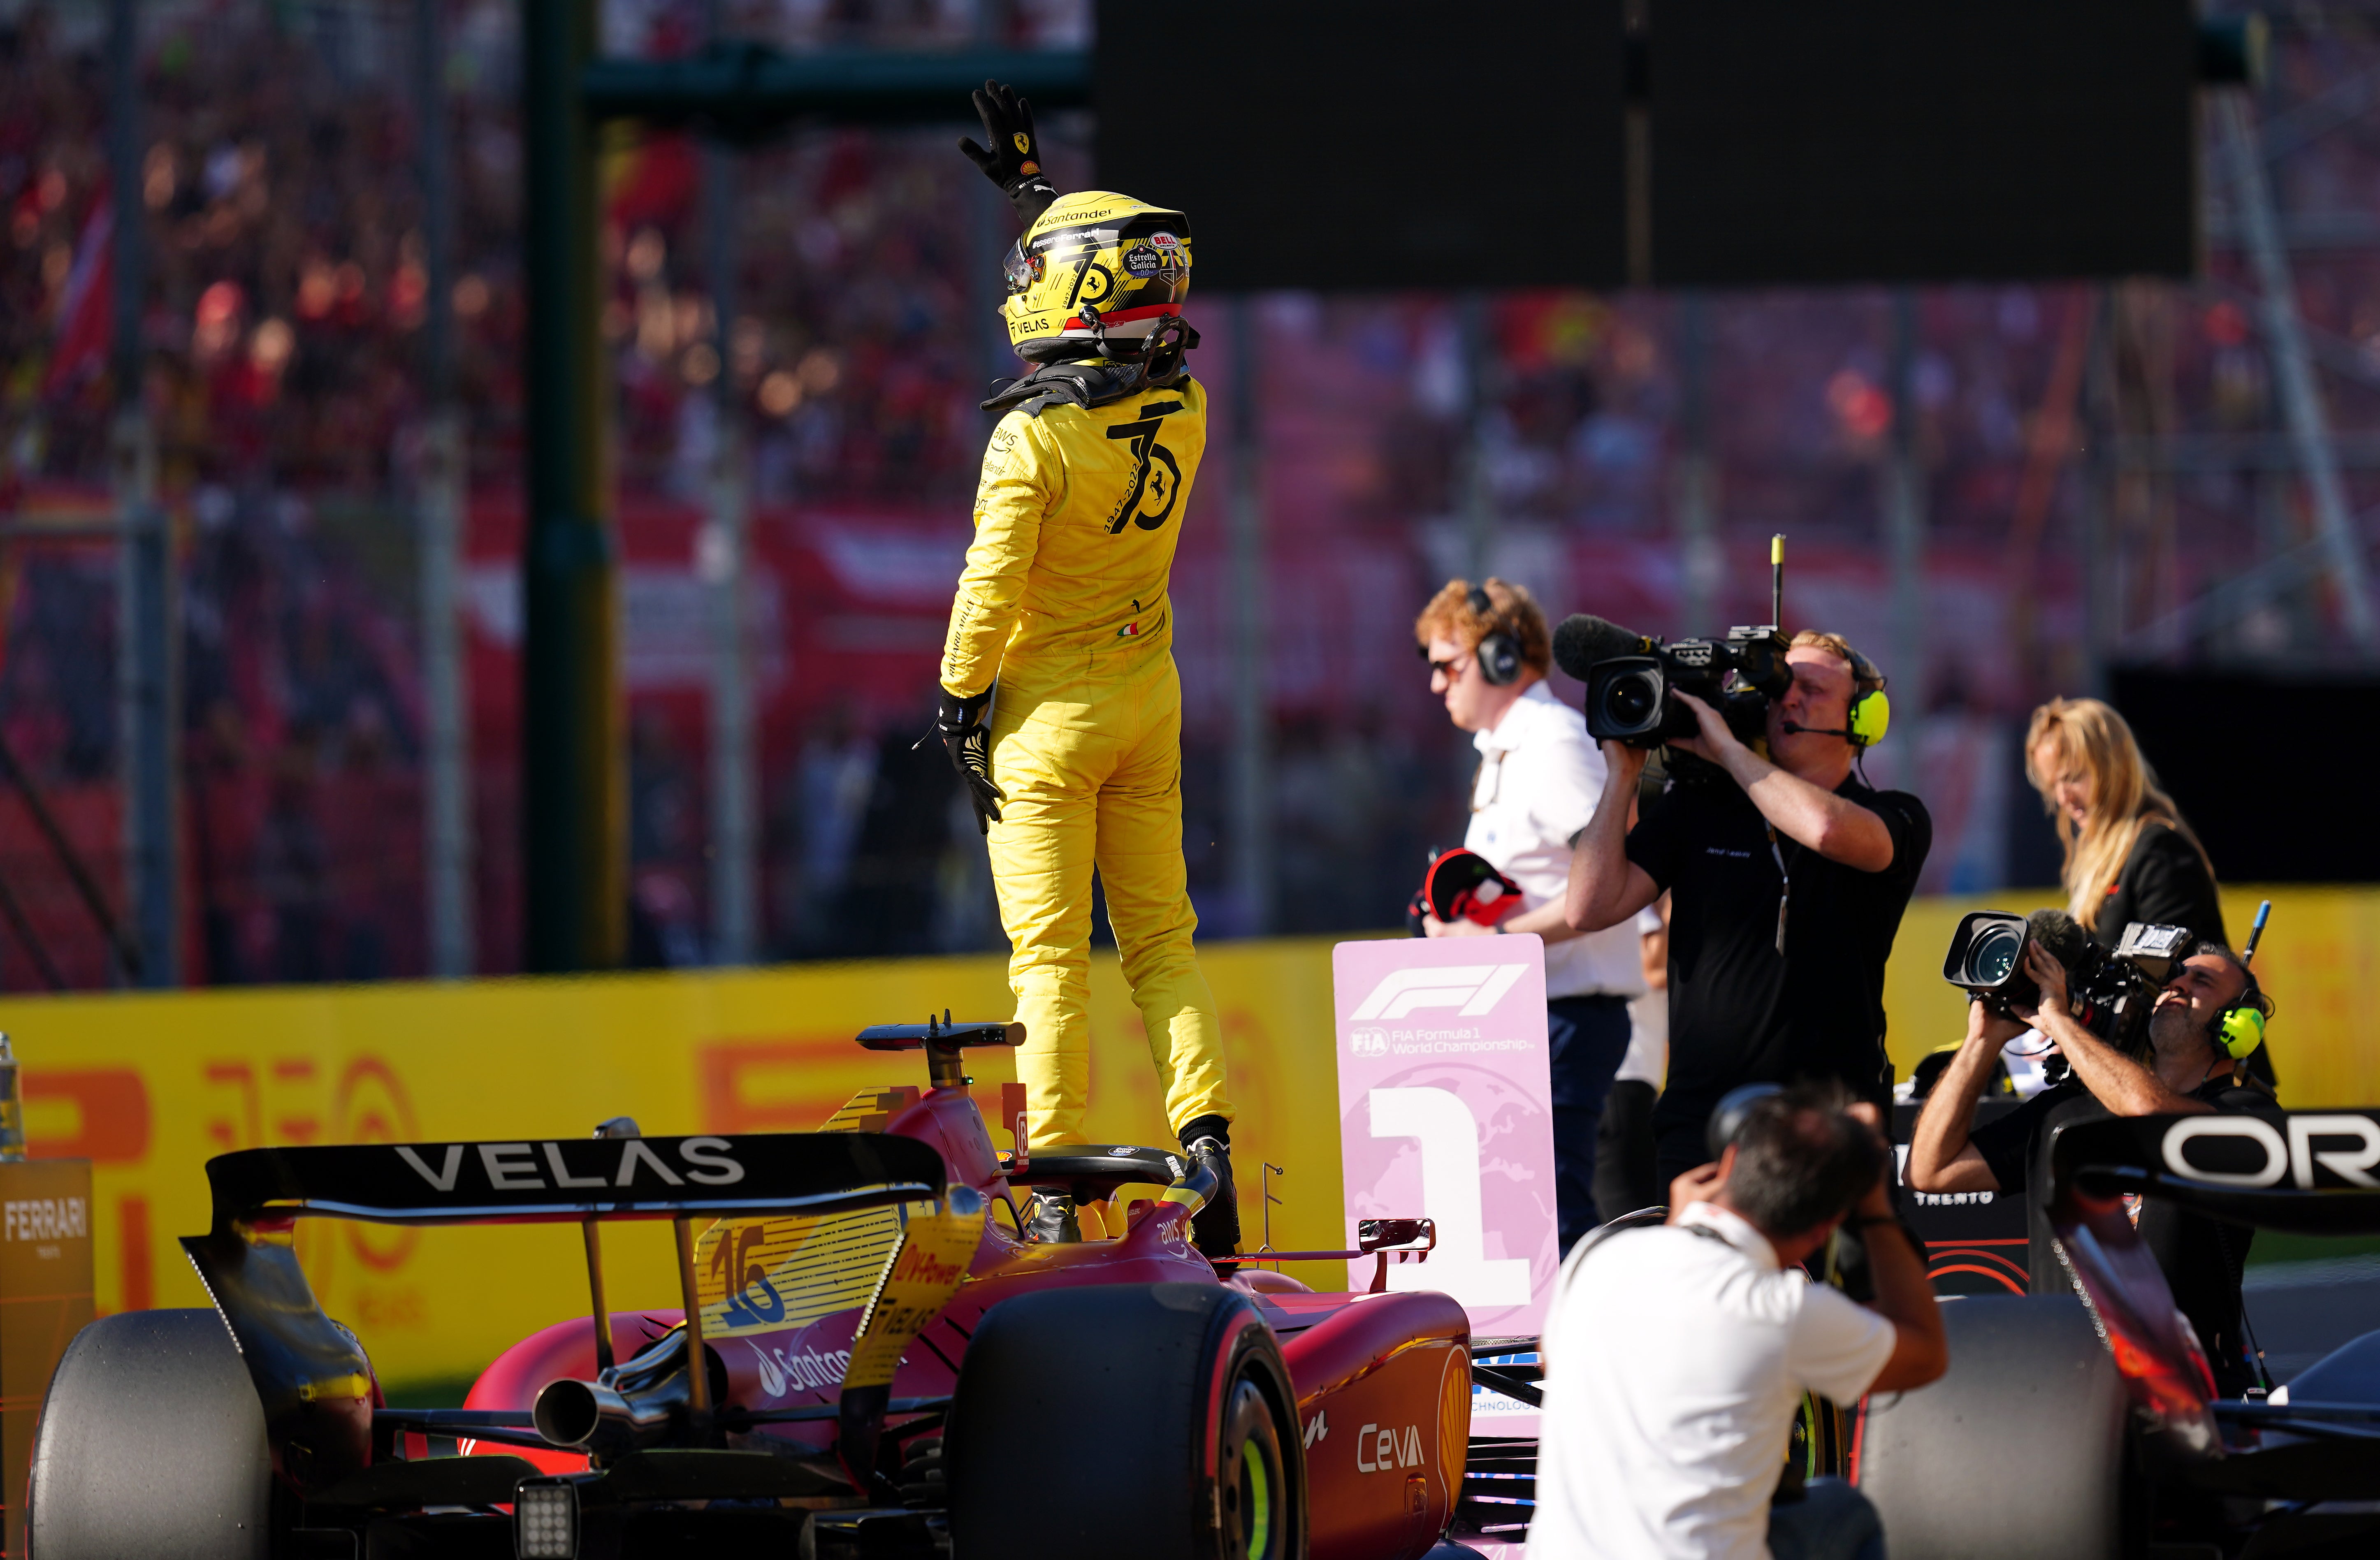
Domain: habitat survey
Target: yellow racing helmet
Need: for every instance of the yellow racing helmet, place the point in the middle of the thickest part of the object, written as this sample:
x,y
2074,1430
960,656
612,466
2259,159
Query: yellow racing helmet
x,y
1097,268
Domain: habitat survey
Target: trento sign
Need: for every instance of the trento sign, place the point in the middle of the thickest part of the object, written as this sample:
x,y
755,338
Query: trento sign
x,y
1445,1107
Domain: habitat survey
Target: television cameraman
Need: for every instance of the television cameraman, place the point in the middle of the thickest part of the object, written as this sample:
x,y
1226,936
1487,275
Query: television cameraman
x,y
1536,787
1787,875
2186,1069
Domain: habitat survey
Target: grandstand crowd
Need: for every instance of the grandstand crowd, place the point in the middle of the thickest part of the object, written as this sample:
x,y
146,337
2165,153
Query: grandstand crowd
x,y
282,364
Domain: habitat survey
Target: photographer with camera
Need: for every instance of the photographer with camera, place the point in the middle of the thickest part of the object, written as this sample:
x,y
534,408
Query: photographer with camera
x,y
1676,1355
2130,854
1787,873
2182,1061
1536,787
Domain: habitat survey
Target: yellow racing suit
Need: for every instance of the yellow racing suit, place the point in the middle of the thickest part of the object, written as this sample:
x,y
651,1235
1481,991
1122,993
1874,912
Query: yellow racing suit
x,y
1063,602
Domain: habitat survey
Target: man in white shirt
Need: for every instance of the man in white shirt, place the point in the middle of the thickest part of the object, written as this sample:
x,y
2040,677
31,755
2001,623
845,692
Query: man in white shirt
x,y
1676,1355
1538,780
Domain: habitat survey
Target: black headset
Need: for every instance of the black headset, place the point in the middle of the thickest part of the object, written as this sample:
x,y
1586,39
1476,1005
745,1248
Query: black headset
x,y
1497,653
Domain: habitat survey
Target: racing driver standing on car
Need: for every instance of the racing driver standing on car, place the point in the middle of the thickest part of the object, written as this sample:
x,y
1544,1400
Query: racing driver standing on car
x,y
1059,703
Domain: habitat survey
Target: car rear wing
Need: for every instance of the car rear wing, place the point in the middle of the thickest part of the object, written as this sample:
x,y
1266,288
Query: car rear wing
x,y
572,1180
312,1377
2302,1172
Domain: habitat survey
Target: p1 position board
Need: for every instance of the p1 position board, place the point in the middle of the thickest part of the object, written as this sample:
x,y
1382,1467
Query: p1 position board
x,y
1446,1111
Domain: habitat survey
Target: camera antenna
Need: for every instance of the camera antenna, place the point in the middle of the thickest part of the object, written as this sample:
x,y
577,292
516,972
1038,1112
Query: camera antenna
x,y
1777,582
2256,933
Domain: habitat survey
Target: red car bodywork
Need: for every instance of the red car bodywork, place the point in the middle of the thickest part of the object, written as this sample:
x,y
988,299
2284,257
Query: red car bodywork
x,y
1382,1380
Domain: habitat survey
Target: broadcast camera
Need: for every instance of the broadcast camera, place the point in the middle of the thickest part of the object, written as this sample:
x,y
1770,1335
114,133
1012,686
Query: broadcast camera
x,y
1634,698
2110,993
1632,680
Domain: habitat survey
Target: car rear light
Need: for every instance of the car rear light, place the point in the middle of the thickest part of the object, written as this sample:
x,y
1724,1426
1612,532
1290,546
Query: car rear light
x,y
545,1520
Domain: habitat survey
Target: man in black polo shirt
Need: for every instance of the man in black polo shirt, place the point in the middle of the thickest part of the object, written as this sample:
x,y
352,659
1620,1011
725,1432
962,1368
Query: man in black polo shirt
x,y
1786,876
2186,1071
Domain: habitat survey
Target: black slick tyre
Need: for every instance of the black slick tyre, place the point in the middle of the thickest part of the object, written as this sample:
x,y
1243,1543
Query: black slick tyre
x,y
152,1444
1154,1419
2019,1450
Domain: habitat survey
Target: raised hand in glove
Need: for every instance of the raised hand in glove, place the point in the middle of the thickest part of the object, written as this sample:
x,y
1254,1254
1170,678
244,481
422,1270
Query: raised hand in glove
x,y
959,722
1013,159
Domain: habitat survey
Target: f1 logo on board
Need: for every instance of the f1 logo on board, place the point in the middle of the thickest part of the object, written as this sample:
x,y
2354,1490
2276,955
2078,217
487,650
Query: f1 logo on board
x,y
1385,1451
514,1166
1471,989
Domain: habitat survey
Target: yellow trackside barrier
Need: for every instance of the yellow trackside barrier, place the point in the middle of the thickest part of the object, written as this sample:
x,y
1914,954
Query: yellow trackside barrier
x,y
147,1087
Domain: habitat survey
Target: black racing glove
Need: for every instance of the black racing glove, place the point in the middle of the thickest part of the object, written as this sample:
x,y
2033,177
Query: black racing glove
x,y
1013,159
959,722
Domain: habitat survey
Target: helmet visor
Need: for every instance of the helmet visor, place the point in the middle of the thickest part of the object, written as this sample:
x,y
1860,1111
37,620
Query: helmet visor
x,y
1019,270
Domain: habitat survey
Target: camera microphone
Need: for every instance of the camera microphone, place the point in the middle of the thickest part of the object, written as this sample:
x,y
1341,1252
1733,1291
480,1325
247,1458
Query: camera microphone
x,y
1584,639
2060,936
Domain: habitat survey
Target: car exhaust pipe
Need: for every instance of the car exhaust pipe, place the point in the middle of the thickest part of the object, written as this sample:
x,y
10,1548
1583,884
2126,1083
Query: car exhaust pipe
x,y
640,1404
588,1417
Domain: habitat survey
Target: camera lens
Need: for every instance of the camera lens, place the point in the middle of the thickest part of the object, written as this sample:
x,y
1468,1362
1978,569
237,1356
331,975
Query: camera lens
x,y
1629,701
1993,958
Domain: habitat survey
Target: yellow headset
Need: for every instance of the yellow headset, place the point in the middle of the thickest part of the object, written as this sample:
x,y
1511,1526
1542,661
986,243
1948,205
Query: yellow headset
x,y
2238,1029
2241,1029
1871,712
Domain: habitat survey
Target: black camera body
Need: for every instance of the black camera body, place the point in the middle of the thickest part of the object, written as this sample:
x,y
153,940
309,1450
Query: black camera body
x,y
1634,698
2110,993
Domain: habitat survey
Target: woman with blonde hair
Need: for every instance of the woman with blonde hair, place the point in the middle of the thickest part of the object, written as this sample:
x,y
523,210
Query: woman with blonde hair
x,y
2129,856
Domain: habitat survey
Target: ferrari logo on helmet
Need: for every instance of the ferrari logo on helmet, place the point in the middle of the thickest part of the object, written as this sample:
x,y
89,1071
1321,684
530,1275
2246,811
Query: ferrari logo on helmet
x,y
1024,143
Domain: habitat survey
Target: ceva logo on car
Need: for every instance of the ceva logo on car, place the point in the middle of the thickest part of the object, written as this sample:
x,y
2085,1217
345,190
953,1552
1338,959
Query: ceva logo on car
x,y
1385,1451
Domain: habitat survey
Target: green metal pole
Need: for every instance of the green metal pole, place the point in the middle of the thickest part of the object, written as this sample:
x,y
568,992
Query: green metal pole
x,y
574,792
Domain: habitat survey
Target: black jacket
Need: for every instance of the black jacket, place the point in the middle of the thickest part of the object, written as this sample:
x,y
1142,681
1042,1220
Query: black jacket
x,y
2163,883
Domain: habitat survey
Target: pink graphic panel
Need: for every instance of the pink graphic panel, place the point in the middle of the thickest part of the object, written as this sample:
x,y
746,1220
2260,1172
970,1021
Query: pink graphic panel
x,y
1446,1111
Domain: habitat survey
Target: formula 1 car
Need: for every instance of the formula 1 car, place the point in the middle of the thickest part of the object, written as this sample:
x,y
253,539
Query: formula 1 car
x,y
2087,1425
886,1368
